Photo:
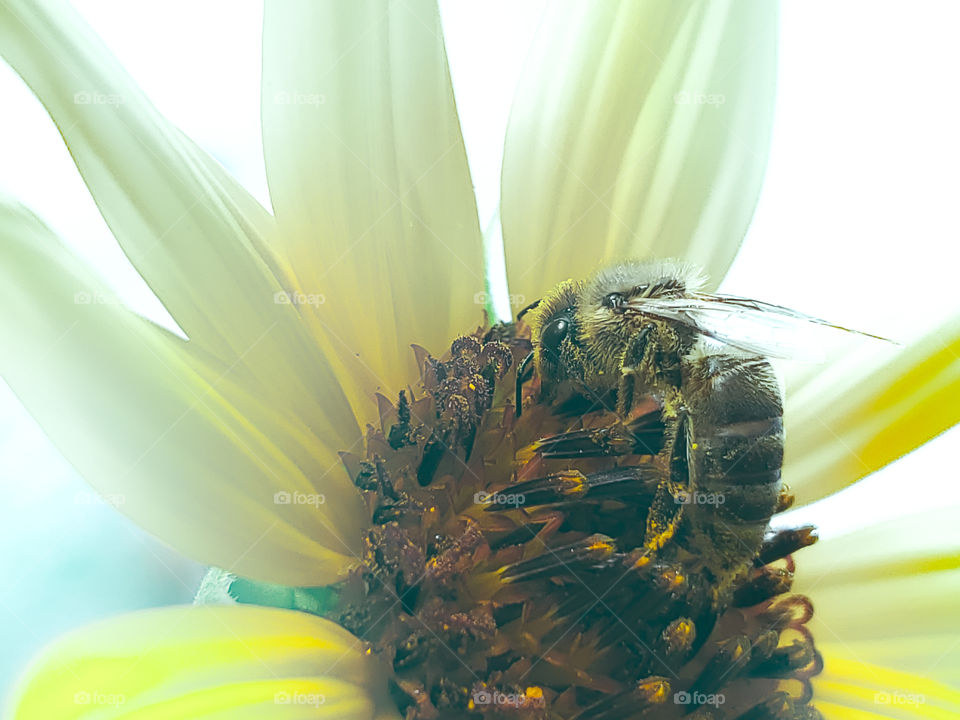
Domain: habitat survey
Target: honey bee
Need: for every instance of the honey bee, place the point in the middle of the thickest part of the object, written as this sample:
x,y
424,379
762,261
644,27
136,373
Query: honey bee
x,y
689,377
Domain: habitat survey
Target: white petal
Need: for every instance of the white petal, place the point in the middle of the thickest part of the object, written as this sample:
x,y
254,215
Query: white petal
x,y
639,129
197,238
886,594
369,181
169,436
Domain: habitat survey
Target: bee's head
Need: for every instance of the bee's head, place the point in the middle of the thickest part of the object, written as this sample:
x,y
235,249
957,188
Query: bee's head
x,y
581,329
554,331
611,306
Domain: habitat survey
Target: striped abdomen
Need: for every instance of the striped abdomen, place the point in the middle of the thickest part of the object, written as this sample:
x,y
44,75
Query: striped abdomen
x,y
732,447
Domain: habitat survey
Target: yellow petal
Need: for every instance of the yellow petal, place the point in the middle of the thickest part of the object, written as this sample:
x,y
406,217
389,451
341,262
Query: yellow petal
x,y
197,238
181,445
865,409
203,662
369,181
851,689
639,129
886,594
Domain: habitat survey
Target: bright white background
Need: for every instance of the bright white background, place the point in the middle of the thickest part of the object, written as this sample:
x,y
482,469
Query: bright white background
x,y
857,223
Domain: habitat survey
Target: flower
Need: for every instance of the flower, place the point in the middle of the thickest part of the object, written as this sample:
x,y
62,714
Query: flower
x,y
639,127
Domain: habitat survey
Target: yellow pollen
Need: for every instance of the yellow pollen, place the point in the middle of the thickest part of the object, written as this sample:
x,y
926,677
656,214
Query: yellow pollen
x,y
655,690
534,692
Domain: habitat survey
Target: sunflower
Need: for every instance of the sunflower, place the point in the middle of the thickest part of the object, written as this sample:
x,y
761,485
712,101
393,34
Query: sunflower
x,y
639,129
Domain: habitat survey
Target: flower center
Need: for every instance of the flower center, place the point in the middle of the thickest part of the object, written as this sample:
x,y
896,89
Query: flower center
x,y
534,568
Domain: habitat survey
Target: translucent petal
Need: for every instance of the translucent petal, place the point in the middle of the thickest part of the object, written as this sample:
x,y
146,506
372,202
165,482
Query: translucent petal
x,y
886,594
167,433
182,663
369,182
851,689
197,238
639,129
866,408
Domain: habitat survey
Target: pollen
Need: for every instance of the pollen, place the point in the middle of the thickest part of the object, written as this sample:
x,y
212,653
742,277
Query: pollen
x,y
527,567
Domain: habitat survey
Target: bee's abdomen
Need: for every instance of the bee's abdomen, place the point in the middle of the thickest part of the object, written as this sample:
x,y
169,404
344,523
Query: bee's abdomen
x,y
743,461
736,443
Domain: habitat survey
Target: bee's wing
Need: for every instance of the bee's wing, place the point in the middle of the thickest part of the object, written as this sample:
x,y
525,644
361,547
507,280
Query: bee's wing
x,y
750,325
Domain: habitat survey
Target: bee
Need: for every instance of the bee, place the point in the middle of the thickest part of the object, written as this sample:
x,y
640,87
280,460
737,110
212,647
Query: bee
x,y
688,377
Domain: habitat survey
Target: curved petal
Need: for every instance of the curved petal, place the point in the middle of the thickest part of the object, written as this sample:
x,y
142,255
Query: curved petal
x,y
198,239
851,689
369,180
885,595
639,129
867,408
203,662
191,453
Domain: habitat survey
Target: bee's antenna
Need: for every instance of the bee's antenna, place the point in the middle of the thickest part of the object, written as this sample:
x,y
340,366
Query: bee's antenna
x,y
521,379
528,308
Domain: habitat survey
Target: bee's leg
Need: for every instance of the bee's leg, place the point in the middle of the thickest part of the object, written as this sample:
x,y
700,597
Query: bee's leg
x,y
673,493
633,380
649,367
664,516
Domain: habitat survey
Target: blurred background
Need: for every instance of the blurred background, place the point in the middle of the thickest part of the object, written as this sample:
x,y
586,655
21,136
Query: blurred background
x,y
857,223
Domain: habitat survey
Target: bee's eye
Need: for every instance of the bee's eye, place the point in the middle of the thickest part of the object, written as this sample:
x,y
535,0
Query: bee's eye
x,y
553,334
614,301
